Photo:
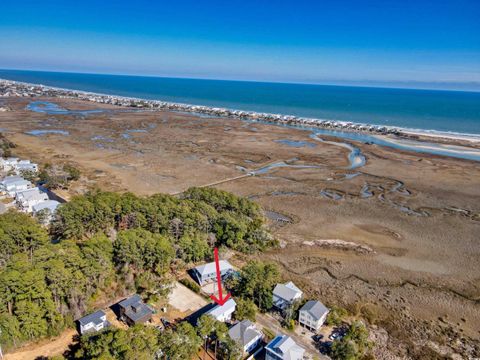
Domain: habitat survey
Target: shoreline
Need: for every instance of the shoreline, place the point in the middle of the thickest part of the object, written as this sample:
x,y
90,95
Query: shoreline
x,y
22,89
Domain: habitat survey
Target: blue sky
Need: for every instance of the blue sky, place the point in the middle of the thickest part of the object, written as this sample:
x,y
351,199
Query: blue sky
x,y
386,42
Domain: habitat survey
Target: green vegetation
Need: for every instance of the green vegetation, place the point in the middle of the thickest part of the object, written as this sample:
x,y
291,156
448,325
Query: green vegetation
x,y
335,316
191,285
354,345
256,282
58,176
6,146
102,245
246,309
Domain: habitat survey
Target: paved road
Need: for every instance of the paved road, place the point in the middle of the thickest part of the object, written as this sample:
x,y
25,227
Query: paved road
x,y
305,341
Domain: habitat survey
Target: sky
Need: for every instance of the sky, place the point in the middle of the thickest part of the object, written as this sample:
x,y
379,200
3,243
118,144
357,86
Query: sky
x,y
422,43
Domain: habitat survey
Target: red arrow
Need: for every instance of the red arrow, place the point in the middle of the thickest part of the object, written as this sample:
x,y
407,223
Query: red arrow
x,y
221,300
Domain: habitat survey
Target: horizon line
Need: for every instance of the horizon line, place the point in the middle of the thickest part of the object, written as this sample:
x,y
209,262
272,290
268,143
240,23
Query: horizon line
x,y
379,84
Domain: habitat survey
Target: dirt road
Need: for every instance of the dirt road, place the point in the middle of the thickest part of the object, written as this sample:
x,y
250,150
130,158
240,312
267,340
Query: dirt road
x,y
45,348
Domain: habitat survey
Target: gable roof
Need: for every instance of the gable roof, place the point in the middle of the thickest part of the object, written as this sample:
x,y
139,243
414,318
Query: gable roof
x,y
286,347
31,194
218,310
244,332
93,317
315,308
49,204
210,267
287,291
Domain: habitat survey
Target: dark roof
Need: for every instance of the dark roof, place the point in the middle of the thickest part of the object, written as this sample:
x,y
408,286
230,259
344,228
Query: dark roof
x,y
129,301
93,317
135,308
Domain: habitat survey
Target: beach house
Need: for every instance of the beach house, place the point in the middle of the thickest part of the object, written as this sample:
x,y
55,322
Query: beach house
x,y
223,312
283,347
246,335
27,199
49,206
134,311
284,295
12,184
312,315
93,322
8,163
207,273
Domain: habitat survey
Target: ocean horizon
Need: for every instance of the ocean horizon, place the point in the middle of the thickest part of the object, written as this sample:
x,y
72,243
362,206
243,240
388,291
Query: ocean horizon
x,y
449,111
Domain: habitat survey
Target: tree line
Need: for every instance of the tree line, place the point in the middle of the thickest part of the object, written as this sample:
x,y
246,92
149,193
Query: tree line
x,y
105,245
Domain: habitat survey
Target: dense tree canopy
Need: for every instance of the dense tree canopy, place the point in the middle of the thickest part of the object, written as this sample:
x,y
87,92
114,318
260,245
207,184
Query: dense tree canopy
x,y
102,244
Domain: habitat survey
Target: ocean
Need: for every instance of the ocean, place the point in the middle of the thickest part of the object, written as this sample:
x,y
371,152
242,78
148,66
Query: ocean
x,y
431,110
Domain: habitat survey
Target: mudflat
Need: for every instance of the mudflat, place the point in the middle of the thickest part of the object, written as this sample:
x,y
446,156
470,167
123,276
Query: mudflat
x,y
397,238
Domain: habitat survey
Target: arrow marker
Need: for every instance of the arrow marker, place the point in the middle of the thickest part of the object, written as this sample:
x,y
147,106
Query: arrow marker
x,y
220,300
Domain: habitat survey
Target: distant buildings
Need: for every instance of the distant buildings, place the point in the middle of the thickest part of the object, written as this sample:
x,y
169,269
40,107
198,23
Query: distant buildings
x,y
246,335
312,315
134,311
93,322
207,272
17,166
284,295
223,312
283,347
12,184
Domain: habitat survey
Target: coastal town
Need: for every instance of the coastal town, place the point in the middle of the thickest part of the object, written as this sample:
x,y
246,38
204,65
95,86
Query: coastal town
x,y
14,88
121,208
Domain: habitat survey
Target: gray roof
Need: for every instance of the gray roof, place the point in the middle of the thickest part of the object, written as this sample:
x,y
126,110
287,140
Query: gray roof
x,y
32,194
315,308
93,317
135,308
210,267
244,332
286,347
286,291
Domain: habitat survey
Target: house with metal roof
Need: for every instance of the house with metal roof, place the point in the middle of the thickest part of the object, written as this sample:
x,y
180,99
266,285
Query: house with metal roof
x,y
15,184
207,273
223,312
284,295
27,199
93,322
283,347
49,206
246,334
312,315
134,311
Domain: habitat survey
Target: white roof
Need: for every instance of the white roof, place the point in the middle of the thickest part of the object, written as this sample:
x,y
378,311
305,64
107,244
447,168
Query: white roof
x,y
31,194
287,347
210,267
49,204
11,179
287,291
16,183
219,310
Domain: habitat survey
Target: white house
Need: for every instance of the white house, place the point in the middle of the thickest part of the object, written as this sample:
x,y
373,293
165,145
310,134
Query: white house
x,y
50,206
13,184
223,312
27,199
207,272
25,165
8,163
284,295
283,347
93,322
246,335
312,315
